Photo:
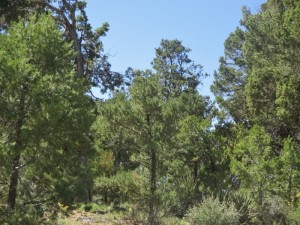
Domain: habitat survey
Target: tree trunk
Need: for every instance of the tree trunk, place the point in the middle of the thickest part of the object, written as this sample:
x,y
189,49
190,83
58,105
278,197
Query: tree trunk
x,y
79,56
195,173
195,179
290,186
152,216
89,193
12,193
79,59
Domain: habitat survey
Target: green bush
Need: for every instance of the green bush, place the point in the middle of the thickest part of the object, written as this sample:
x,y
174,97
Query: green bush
x,y
26,215
273,211
294,216
172,221
94,207
243,203
211,211
121,187
177,195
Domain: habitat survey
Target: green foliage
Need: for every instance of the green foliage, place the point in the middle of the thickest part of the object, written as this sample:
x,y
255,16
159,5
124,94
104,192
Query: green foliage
x,y
48,129
178,192
153,144
25,215
159,124
257,86
70,16
211,211
95,208
274,210
11,11
287,170
91,63
243,203
176,71
173,221
272,53
230,79
294,216
251,161
123,186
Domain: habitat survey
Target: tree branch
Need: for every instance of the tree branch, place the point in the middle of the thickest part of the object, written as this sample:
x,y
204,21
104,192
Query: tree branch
x,y
56,10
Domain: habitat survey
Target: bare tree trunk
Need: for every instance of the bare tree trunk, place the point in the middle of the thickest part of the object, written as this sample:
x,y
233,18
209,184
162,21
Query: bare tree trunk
x,y
77,46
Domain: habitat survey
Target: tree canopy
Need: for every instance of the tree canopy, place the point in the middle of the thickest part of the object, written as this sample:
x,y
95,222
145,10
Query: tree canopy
x,y
157,150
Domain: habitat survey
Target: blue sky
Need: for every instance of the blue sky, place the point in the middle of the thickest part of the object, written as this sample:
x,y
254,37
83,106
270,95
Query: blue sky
x,y
137,27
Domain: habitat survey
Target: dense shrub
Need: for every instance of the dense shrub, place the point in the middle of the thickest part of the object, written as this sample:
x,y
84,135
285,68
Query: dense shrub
x,y
124,186
27,215
211,211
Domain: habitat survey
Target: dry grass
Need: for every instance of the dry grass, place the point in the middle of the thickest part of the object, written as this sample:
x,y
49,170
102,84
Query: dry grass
x,y
88,218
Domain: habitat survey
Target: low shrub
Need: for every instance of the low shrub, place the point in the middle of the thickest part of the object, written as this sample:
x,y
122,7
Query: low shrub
x,y
211,211
26,215
172,221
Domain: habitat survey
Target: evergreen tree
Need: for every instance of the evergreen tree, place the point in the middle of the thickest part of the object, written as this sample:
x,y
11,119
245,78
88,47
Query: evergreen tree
x,y
44,113
152,118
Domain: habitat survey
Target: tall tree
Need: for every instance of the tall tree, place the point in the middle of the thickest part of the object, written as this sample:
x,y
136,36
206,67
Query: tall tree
x,y
150,115
140,115
40,101
266,60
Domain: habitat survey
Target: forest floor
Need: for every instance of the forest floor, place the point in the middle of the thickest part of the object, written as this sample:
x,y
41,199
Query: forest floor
x,y
95,218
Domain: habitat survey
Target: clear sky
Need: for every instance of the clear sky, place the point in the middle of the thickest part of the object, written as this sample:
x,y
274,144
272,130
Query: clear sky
x,y
137,27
